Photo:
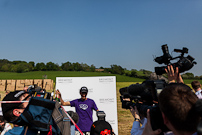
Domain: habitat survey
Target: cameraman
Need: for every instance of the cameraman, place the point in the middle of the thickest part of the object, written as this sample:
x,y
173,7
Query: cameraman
x,y
137,109
12,111
139,120
177,104
16,109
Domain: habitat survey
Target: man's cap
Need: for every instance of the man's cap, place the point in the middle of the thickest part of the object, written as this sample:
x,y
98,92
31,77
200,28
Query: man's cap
x,y
12,96
101,127
84,89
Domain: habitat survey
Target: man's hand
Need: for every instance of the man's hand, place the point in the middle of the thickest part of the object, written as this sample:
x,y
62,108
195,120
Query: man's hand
x,y
135,112
61,100
58,92
173,76
148,129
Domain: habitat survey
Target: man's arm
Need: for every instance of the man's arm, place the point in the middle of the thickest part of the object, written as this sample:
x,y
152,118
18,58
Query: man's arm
x,y
94,106
136,130
61,100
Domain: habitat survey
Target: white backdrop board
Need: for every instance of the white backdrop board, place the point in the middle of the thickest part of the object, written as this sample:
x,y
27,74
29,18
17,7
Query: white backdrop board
x,y
101,89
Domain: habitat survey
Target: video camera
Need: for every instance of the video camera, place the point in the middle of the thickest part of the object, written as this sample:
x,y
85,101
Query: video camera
x,y
145,96
183,64
145,93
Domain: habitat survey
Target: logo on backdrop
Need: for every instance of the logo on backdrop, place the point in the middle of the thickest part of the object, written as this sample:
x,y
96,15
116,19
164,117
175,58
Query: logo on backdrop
x,y
90,90
65,80
106,80
106,100
83,106
111,121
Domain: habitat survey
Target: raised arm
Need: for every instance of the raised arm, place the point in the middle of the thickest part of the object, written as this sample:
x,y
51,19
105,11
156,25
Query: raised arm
x,y
173,76
61,100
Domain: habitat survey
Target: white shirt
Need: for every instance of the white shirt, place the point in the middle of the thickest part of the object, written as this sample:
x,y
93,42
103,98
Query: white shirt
x,y
198,94
6,128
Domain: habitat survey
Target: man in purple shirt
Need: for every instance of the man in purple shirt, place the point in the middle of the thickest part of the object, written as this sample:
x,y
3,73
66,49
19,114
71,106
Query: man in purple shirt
x,y
84,107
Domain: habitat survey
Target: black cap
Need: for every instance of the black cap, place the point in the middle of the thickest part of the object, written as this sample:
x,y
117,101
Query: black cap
x,y
84,89
12,96
101,127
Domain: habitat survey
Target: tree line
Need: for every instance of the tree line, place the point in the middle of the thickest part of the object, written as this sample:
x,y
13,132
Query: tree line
x,y
23,66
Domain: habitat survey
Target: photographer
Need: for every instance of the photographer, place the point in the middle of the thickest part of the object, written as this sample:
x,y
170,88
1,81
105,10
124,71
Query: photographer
x,y
33,115
177,104
197,88
137,97
101,126
137,129
12,111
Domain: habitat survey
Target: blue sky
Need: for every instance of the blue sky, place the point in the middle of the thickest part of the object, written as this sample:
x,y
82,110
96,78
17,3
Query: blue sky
x,y
128,33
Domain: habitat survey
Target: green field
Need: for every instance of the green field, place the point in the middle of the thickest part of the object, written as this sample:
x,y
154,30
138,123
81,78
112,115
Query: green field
x,y
53,74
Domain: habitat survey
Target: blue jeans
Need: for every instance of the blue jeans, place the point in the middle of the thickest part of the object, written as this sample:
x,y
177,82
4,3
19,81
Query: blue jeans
x,y
72,129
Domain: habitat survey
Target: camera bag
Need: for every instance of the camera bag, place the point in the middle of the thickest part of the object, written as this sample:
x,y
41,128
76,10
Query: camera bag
x,y
44,115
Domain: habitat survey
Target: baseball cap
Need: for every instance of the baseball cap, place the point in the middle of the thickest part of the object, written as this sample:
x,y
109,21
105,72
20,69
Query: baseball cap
x,y
12,96
84,89
101,127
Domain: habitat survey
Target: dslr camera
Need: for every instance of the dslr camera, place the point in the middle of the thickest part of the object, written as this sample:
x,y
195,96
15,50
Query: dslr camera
x,y
183,64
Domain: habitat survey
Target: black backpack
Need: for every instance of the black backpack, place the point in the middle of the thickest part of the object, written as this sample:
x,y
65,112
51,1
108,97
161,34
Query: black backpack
x,y
41,114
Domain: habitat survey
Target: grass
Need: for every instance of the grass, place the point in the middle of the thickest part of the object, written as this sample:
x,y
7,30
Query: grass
x,y
53,74
125,118
188,81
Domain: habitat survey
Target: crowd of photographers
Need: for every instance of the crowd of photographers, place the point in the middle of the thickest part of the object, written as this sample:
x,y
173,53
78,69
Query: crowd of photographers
x,y
180,108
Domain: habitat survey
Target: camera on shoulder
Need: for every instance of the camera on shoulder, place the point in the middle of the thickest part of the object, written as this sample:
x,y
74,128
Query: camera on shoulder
x,y
145,95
